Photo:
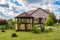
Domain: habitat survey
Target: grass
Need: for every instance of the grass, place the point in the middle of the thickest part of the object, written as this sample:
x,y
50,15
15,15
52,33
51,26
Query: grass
x,y
22,35
53,35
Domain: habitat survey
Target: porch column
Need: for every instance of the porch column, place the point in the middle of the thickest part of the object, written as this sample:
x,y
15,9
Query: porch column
x,y
16,24
32,22
29,20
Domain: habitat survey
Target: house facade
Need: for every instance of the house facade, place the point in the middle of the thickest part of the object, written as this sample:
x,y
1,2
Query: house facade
x,y
27,19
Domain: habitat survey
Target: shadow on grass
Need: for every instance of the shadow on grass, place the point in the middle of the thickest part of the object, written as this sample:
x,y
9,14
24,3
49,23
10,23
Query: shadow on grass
x,y
43,32
37,32
23,30
47,31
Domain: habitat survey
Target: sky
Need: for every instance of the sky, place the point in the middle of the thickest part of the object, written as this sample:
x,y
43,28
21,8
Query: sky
x,y
11,8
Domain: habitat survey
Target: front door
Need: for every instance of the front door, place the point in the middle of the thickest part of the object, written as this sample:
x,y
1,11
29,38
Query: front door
x,y
40,20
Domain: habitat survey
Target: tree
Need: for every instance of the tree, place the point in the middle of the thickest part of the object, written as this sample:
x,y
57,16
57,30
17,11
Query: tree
x,y
53,17
3,23
49,22
10,23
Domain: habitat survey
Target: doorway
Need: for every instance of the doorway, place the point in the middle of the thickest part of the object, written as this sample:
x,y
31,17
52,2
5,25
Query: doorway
x,y
40,20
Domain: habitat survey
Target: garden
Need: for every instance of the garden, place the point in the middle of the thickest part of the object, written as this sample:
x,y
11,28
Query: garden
x,y
49,30
48,34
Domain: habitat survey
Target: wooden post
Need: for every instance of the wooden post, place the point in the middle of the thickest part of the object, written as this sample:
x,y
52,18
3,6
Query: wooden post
x,y
16,24
26,29
32,22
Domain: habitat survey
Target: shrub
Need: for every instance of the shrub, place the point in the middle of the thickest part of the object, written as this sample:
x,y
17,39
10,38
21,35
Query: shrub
x,y
52,16
14,35
49,22
50,29
42,28
35,30
10,24
3,31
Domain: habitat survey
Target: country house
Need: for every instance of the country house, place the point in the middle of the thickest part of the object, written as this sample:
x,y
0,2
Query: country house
x,y
26,20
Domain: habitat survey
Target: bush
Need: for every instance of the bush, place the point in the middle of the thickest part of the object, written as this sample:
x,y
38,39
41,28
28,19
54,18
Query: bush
x,y
49,22
14,35
52,16
42,28
50,29
3,31
10,24
35,30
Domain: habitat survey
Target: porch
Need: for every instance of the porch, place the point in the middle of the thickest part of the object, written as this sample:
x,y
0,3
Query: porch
x,y
24,23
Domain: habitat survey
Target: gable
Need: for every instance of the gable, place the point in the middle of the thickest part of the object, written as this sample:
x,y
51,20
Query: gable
x,y
35,13
40,13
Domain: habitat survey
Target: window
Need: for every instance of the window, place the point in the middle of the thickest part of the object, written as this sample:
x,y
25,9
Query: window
x,y
25,21
36,20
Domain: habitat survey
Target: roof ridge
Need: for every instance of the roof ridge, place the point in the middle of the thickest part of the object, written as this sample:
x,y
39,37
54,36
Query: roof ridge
x,y
27,14
38,9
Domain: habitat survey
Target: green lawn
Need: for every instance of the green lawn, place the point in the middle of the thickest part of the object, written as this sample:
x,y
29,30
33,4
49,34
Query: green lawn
x,y
53,35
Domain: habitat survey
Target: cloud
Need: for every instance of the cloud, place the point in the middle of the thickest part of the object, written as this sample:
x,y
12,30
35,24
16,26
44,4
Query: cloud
x,y
31,4
57,10
34,1
18,6
14,2
4,5
12,10
53,5
10,13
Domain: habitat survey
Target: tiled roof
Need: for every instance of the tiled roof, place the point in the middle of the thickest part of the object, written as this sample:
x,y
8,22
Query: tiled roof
x,y
23,15
29,13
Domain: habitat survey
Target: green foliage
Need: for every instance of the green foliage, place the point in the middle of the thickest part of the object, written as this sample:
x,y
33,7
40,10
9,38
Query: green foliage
x,y
54,35
53,17
0,26
49,22
50,29
3,27
14,35
35,30
18,21
36,19
42,28
10,23
3,30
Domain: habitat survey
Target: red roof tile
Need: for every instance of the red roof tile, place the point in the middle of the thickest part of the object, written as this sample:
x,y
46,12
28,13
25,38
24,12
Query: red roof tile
x,y
23,15
29,13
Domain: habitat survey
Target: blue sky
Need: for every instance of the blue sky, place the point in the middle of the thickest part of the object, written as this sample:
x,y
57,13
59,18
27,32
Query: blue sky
x,y
14,2
11,8
57,3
